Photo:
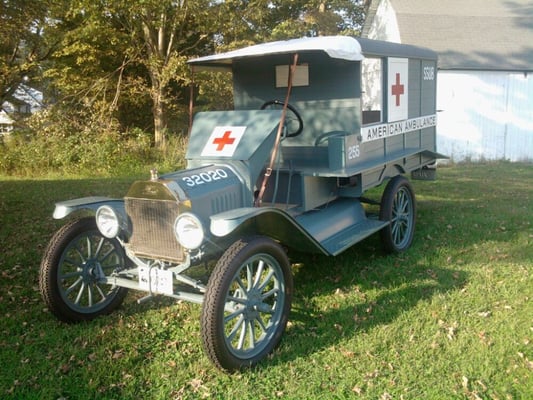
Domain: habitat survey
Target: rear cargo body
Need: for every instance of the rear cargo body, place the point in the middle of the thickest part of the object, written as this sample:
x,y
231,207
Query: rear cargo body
x,y
368,112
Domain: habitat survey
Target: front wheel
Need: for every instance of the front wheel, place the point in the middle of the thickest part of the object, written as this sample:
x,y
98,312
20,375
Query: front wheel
x,y
398,205
247,303
75,262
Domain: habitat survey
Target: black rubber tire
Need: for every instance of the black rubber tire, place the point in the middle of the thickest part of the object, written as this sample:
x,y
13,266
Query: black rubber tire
x,y
239,295
68,278
398,205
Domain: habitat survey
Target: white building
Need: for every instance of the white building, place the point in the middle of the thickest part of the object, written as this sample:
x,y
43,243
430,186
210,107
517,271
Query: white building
x,y
26,100
485,84
6,123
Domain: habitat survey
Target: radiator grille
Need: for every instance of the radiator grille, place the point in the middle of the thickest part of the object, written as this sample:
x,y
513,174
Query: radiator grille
x,y
152,223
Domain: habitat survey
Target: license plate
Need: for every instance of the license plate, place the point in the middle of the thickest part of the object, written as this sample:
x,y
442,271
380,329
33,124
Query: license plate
x,y
156,280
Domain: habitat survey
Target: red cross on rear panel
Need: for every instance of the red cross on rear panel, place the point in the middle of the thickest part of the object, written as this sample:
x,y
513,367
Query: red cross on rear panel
x,y
397,89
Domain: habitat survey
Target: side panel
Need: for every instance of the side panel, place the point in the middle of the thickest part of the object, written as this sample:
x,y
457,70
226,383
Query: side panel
x,y
415,89
428,103
298,192
408,82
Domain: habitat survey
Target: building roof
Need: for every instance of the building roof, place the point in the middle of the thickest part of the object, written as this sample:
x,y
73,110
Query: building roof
x,y
472,34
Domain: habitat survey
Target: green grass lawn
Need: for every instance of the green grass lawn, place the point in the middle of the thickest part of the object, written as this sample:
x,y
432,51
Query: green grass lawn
x,y
450,318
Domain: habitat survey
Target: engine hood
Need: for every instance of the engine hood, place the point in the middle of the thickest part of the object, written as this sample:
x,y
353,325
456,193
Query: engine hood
x,y
205,191
187,184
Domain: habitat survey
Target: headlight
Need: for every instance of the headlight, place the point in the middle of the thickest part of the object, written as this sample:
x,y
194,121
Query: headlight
x,y
188,231
107,221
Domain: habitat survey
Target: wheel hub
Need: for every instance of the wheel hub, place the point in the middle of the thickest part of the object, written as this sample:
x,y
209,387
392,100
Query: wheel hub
x,y
91,271
254,300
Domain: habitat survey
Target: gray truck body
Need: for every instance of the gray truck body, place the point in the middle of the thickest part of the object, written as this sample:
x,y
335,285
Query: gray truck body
x,y
265,176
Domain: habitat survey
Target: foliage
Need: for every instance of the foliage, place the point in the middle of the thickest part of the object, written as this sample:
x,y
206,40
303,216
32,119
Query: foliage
x,y
128,56
260,21
56,142
126,61
24,44
450,318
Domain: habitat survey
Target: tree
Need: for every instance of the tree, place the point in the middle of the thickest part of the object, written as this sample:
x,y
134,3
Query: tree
x,y
115,51
262,20
23,45
167,33
336,17
121,55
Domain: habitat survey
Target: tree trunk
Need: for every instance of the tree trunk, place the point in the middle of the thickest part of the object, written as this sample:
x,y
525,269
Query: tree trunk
x,y
160,117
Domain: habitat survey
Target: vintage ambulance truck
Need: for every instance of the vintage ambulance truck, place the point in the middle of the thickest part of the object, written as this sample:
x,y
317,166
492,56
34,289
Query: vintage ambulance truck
x,y
316,123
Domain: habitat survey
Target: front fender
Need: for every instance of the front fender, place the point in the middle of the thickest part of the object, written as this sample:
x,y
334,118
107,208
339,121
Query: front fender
x,y
64,208
267,221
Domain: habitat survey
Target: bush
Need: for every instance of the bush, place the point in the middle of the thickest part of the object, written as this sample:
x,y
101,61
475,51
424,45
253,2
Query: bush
x,y
52,143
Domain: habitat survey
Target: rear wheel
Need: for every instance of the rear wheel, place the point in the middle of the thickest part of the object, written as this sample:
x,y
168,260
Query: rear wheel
x,y
247,303
398,205
76,260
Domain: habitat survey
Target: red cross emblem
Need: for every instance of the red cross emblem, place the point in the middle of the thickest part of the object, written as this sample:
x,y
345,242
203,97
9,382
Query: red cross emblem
x,y
224,140
397,89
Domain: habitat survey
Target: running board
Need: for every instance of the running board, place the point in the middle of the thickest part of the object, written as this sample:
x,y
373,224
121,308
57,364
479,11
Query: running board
x,y
339,225
341,241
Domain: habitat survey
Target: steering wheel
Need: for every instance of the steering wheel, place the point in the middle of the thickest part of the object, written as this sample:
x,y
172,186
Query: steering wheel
x,y
289,121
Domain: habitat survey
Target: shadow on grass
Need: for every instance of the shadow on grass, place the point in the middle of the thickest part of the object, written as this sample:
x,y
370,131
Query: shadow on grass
x,y
458,220
358,291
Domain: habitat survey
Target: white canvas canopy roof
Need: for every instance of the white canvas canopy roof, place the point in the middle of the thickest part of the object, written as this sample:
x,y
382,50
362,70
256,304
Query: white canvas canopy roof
x,y
342,47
